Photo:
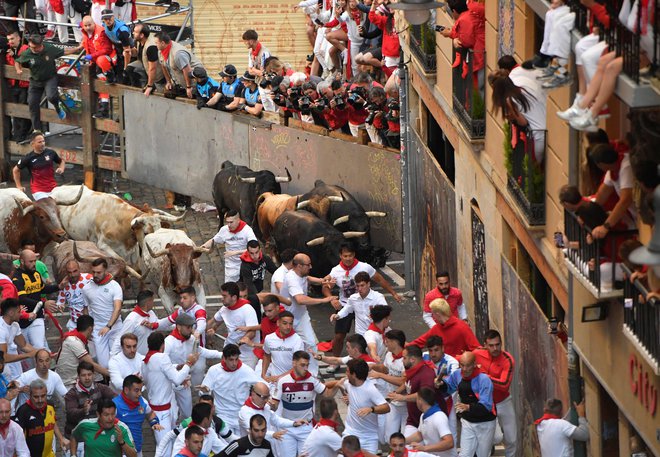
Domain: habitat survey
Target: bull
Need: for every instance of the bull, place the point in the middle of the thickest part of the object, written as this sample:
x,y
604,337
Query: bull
x,y
347,215
116,226
270,206
303,231
85,252
170,258
237,187
22,218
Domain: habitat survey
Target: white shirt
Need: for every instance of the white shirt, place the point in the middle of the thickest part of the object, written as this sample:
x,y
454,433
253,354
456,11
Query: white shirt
x,y
278,276
555,437
364,396
323,441
72,296
230,390
394,368
234,242
243,316
295,285
100,301
133,324
433,428
160,376
373,337
14,444
212,443
281,352
197,311
361,307
180,350
7,335
54,384
297,396
625,180
273,421
121,366
346,282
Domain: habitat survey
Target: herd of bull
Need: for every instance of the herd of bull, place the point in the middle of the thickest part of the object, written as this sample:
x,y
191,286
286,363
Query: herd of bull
x,y
78,223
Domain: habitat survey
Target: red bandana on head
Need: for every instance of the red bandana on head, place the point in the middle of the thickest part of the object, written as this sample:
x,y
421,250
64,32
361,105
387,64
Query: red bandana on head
x,y
226,368
241,224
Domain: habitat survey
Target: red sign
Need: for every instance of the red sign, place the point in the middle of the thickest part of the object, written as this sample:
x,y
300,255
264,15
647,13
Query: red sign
x,y
641,384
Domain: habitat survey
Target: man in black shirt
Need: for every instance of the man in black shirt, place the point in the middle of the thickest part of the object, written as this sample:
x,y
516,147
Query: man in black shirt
x,y
145,71
254,264
254,444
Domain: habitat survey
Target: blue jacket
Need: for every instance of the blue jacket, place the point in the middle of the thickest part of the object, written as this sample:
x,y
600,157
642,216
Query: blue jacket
x,y
133,418
208,89
117,27
477,392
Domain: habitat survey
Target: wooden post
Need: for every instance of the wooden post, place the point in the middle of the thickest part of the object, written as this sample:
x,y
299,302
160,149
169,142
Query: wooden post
x,y
89,134
4,153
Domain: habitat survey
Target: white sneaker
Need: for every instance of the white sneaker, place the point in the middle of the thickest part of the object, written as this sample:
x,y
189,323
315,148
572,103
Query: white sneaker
x,y
573,112
585,123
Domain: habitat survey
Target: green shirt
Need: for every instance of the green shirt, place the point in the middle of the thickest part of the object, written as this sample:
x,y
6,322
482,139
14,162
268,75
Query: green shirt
x,y
42,66
41,268
103,443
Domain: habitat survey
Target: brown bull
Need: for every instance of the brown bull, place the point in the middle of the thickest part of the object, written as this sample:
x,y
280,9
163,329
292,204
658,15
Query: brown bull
x,y
85,252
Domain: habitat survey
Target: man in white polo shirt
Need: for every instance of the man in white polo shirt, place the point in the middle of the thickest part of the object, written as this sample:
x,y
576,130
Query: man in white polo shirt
x,y
323,440
433,434
360,303
53,381
104,297
235,236
140,322
295,286
236,313
279,348
277,279
127,362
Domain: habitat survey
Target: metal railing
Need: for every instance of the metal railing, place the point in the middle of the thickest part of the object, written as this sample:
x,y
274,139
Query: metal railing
x,y
588,254
526,176
641,317
469,93
422,45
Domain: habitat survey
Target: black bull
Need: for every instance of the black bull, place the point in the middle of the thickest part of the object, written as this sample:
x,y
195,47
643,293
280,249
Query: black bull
x,y
237,187
348,215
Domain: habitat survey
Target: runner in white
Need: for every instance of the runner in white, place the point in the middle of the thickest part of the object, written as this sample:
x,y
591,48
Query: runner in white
x,y
433,434
139,322
188,305
53,381
279,348
257,403
71,295
11,339
360,303
277,279
398,446
323,440
128,361
235,236
375,334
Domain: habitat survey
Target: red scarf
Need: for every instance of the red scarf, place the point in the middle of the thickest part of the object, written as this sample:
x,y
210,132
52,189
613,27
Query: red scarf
x,y
397,356
373,327
78,335
82,388
175,333
346,268
546,416
240,302
474,374
241,224
101,429
226,368
614,174
130,403
412,371
251,404
282,337
4,428
367,358
328,422
104,281
140,311
255,53
42,410
193,424
166,52
307,375
148,356
246,257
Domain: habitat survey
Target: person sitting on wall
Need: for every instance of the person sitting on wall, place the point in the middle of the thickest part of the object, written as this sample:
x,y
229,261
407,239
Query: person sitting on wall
x,y
249,99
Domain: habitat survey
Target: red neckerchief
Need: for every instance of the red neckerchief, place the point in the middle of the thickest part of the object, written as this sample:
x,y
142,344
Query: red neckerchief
x,y
356,15
546,416
251,404
4,428
140,311
246,257
240,302
130,403
359,454
193,424
474,374
166,52
241,224
255,53
307,375
175,333
82,388
367,358
412,371
328,422
347,268
101,429
78,335
104,281
397,356
226,368
373,327
284,337
614,174
148,356
42,410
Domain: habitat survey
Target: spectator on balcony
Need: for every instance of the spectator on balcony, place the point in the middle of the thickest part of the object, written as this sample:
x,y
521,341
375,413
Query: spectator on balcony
x,y
522,104
348,39
146,71
23,8
584,208
357,102
383,18
559,21
230,86
257,54
17,91
318,12
249,99
205,87
178,64
120,35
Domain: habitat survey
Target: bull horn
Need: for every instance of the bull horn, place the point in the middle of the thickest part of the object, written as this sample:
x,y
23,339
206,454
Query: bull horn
x,y
354,234
24,211
335,198
76,255
157,254
248,180
340,220
282,178
316,241
163,216
303,204
75,200
201,249
133,273
375,214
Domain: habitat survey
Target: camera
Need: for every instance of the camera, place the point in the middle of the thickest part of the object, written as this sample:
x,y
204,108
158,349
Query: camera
x,y
305,104
340,103
321,104
373,111
267,79
357,97
393,105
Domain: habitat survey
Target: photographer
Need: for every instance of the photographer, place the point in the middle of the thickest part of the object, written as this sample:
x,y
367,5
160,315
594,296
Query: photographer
x,y
249,99
336,111
358,100
393,135
375,121
205,87
225,99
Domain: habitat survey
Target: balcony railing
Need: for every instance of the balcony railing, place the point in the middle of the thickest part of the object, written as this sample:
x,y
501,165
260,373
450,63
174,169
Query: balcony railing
x,y
641,318
595,260
526,176
422,45
469,93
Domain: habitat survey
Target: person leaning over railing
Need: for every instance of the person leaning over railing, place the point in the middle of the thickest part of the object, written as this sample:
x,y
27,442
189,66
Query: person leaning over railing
x,y
249,99
145,71
177,63
17,91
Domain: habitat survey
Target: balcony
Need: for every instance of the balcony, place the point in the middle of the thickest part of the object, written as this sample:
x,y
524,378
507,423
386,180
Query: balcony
x,y
525,176
422,45
469,94
641,320
590,260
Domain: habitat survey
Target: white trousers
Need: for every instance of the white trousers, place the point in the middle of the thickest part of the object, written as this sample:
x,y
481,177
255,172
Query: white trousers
x,y
321,47
184,400
476,438
304,328
123,13
394,421
166,421
367,443
104,343
293,440
35,333
62,30
374,136
507,429
95,12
